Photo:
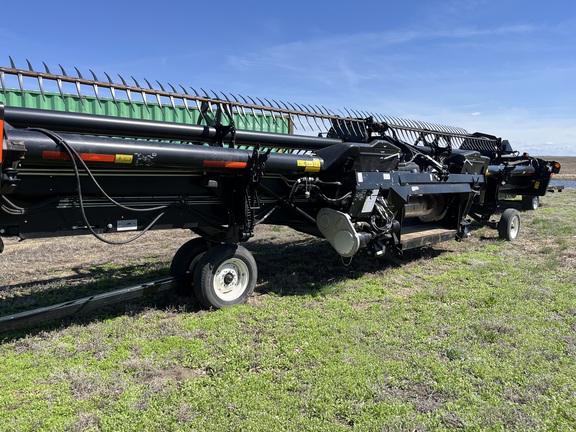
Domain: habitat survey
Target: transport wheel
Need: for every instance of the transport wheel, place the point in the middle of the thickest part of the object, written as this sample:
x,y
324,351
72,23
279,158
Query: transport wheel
x,y
184,263
509,225
530,202
225,276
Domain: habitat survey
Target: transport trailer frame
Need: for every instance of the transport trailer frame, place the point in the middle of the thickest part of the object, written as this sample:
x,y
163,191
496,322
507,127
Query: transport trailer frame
x,y
360,185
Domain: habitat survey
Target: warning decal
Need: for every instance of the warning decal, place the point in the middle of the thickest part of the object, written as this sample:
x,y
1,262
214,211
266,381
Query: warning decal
x,y
309,165
123,158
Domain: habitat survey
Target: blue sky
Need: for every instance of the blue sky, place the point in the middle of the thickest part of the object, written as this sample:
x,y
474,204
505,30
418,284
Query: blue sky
x,y
504,67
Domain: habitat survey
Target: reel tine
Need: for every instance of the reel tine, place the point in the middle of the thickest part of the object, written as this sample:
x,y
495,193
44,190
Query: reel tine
x,y
297,116
160,85
59,83
408,124
272,112
264,119
331,114
390,122
21,83
355,124
12,62
428,126
252,109
40,80
112,91
350,116
323,119
226,98
418,131
220,102
95,87
156,94
307,114
185,101
142,93
400,128
344,122
289,120
415,130
286,107
3,82
314,117
209,99
172,101
197,103
243,111
283,118
128,93
231,106
300,115
240,109
264,115
78,87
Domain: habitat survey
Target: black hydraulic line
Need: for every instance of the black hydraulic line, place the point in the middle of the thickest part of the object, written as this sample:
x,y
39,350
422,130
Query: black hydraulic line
x,y
76,157
124,127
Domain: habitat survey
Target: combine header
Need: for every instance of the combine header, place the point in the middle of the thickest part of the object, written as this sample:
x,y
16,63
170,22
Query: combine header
x,y
220,164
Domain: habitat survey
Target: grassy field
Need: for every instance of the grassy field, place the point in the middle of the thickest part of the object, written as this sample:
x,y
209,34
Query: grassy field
x,y
477,335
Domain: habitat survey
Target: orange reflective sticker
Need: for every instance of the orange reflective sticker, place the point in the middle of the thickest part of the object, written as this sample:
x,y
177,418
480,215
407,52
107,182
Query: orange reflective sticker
x,y
223,164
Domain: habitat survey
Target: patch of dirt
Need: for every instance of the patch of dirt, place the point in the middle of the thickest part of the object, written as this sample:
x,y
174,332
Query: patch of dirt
x,y
63,257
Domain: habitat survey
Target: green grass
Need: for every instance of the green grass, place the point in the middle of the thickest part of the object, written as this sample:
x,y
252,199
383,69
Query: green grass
x,y
478,335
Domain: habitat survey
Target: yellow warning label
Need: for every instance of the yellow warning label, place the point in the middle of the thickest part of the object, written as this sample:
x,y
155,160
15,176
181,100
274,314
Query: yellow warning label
x,y
537,185
309,165
123,158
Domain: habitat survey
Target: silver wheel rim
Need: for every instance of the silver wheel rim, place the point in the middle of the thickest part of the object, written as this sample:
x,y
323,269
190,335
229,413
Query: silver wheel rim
x,y
514,227
231,279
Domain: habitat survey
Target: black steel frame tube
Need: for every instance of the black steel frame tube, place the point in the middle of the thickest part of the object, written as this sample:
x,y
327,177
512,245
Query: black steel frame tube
x,y
124,127
154,154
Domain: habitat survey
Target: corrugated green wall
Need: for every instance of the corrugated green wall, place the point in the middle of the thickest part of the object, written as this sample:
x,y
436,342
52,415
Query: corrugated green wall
x,y
137,110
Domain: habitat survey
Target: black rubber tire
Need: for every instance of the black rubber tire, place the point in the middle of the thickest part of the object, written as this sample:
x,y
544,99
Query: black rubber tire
x,y
184,262
530,202
225,276
509,225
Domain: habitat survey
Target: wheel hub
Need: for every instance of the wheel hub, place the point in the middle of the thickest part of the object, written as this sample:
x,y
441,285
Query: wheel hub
x,y
231,279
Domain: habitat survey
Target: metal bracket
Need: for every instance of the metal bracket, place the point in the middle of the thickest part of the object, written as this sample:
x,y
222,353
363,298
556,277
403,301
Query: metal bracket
x,y
215,120
253,174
